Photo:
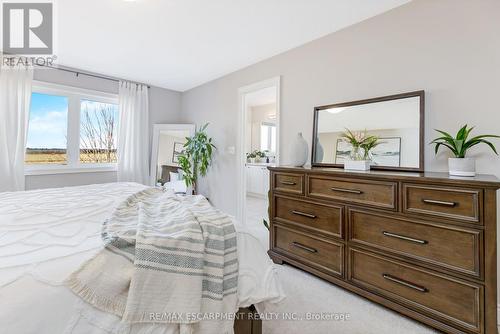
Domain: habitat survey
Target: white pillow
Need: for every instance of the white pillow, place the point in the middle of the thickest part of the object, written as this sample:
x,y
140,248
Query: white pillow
x,y
174,177
180,172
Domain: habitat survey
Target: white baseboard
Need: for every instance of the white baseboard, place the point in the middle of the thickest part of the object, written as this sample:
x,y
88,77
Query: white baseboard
x,y
262,196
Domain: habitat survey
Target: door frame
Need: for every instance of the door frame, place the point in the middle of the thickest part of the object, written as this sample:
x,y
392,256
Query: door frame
x,y
242,117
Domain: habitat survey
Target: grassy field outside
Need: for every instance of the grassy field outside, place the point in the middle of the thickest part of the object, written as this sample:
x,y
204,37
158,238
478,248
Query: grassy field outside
x,y
58,156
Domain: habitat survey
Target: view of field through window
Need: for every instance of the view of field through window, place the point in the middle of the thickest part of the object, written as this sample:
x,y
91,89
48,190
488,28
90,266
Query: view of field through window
x,y
48,131
98,127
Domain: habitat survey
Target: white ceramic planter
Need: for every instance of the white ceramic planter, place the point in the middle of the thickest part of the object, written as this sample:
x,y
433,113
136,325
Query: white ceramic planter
x,y
357,164
462,166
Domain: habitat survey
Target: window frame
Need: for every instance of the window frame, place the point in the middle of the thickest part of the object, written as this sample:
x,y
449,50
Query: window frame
x,y
74,95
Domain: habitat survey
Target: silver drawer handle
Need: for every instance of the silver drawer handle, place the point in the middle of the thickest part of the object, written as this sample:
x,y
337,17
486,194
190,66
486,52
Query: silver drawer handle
x,y
431,201
300,213
288,183
404,283
351,191
307,249
402,237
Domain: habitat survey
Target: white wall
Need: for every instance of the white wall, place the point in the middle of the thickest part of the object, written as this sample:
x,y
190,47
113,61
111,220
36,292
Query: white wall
x,y
449,48
164,107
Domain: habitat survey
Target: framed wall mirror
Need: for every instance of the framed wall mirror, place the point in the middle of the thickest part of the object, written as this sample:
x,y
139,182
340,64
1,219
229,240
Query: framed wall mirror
x,y
397,120
168,144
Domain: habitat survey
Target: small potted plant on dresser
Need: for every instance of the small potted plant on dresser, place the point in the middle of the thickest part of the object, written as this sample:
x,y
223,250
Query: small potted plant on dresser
x,y
460,165
362,144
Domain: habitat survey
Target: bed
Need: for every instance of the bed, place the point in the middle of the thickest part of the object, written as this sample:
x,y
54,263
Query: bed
x,y
45,235
171,179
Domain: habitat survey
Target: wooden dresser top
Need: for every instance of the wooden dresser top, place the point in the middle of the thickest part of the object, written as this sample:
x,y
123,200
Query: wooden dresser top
x,y
482,180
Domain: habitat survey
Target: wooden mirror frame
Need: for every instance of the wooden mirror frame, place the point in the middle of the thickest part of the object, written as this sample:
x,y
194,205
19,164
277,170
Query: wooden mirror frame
x,y
420,94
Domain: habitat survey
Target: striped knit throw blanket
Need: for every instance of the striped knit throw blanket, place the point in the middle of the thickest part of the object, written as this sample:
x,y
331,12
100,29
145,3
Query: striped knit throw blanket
x,y
167,259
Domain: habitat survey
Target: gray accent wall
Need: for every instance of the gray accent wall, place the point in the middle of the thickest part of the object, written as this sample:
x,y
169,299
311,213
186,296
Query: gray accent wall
x,y
164,107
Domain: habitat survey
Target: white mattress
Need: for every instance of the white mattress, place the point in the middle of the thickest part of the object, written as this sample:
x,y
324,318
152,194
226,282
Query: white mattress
x,y
47,234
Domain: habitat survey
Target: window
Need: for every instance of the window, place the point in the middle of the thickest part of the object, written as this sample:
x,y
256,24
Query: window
x,y
98,128
268,137
71,129
48,126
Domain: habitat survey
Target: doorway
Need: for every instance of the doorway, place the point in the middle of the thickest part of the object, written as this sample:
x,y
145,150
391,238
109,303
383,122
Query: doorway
x,y
258,149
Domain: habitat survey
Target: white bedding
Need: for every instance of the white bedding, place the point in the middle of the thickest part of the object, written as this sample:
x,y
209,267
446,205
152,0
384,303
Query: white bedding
x,y
178,186
47,234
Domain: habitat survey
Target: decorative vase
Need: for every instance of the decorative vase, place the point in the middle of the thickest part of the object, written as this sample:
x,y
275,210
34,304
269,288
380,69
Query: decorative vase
x,y
357,160
357,164
299,151
320,152
356,153
462,166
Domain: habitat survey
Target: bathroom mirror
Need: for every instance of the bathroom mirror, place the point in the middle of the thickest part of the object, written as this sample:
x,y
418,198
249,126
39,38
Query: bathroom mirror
x,y
396,120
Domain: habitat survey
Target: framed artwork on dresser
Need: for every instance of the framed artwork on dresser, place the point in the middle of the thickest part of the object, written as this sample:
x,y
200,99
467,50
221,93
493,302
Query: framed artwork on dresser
x,y
388,152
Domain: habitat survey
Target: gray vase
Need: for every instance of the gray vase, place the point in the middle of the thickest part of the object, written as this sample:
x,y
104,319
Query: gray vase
x,y
299,151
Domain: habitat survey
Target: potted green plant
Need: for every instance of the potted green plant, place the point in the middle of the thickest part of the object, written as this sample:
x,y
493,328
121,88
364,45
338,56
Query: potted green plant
x,y
259,155
368,144
359,158
197,156
251,157
459,145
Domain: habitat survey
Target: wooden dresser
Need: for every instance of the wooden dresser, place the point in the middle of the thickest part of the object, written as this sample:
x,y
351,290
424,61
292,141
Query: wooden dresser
x,y
423,245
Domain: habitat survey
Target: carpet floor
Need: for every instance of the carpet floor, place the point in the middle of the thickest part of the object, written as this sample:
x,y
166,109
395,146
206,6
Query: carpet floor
x,y
309,294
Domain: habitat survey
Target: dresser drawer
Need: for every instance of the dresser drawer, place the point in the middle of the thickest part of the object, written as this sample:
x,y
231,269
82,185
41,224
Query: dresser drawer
x,y
373,193
319,217
422,241
449,299
452,203
317,252
288,183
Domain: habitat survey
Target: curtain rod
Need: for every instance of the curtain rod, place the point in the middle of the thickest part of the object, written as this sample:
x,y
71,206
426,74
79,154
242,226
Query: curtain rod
x,y
98,76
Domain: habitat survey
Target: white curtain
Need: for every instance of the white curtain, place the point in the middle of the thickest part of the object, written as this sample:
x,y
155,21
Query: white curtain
x,y
133,136
15,98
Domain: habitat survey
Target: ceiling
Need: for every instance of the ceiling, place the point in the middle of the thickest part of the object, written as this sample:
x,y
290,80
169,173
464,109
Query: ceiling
x,y
261,97
180,44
